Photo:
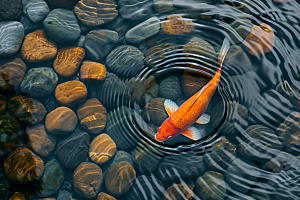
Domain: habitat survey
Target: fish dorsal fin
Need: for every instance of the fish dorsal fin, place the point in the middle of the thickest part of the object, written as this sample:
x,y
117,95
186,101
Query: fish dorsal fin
x,y
170,106
192,133
201,91
203,119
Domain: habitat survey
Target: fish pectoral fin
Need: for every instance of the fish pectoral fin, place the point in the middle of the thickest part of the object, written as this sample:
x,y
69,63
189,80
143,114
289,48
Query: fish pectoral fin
x,y
192,133
170,106
203,119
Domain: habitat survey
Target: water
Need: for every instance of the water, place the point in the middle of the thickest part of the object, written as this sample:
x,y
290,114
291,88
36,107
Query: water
x,y
250,147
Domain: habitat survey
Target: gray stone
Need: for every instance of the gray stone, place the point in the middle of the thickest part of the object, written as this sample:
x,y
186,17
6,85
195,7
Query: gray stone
x,y
36,10
143,30
10,9
63,195
39,82
62,25
135,9
28,25
99,43
51,180
11,37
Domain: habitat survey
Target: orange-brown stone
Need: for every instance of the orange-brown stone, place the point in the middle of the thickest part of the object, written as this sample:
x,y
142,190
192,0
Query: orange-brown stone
x,y
23,166
92,116
193,81
37,47
68,61
70,93
176,24
102,149
92,72
199,46
104,196
261,40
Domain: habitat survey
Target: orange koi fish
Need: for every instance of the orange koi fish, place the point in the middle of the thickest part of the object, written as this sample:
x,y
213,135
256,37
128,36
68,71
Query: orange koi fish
x,y
180,119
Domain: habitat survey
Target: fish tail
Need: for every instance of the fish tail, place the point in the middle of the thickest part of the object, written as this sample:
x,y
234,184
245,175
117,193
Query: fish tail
x,y
222,54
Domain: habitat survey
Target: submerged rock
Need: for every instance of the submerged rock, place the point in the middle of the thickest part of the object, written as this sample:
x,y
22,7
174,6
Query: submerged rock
x,y
154,111
180,191
170,88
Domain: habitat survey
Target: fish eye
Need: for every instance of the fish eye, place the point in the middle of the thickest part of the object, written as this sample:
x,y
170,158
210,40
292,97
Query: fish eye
x,y
169,137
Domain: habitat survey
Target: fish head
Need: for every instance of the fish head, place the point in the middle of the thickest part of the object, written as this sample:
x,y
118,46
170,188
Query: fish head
x,y
167,131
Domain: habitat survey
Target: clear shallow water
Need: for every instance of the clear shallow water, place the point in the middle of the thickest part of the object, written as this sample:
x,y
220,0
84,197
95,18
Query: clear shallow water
x,y
250,147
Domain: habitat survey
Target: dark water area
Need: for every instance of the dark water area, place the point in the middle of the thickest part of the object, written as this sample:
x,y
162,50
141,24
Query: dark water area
x,y
84,86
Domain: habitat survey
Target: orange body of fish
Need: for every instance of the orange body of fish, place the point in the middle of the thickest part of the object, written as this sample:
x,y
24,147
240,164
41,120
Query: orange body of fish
x,y
180,120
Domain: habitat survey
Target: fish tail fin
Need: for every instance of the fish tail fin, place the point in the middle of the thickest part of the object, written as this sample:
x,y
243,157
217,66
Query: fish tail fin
x,y
222,55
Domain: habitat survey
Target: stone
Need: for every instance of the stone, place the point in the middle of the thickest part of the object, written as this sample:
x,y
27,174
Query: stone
x,y
74,149
92,72
125,137
154,112
162,6
70,93
12,70
23,166
110,91
146,158
135,9
170,88
62,3
269,109
87,180
39,82
99,43
68,61
259,144
236,62
36,10
126,61
199,46
62,26
141,90
28,25
158,49
11,134
293,95
39,140
119,157
220,155
261,40
176,167
63,195
27,110
144,30
61,121
102,149
119,178
120,25
11,37
10,9
210,186
2,104
288,132
193,81
50,103
22,193
146,187
37,47
52,179
96,12
180,191
176,24
104,196
92,116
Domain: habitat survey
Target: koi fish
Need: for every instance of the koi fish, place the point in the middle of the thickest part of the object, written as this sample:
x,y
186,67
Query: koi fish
x,y
180,119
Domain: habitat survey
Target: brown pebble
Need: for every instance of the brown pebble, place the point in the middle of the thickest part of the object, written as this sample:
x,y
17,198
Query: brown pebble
x,y
70,93
104,196
177,191
92,72
68,61
261,40
193,81
119,178
201,47
87,180
23,166
37,47
102,149
154,111
92,116
39,140
12,72
61,121
176,24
